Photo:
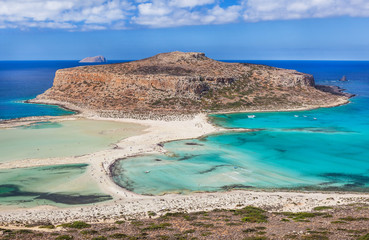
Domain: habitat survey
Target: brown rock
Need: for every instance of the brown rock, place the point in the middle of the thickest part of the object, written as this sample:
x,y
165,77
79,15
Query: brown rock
x,y
179,82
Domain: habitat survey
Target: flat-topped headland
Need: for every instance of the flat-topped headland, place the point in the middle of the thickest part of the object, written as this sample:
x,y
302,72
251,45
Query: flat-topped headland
x,y
185,83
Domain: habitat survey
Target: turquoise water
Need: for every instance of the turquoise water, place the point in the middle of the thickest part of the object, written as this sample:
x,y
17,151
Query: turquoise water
x,y
323,149
62,139
62,185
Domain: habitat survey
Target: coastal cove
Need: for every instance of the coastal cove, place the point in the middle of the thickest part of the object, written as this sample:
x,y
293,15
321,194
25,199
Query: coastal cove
x,y
321,149
273,157
199,153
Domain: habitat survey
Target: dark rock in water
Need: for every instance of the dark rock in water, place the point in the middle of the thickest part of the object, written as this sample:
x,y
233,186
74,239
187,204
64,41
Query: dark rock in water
x,y
97,59
334,90
235,186
187,157
74,199
10,190
194,144
343,79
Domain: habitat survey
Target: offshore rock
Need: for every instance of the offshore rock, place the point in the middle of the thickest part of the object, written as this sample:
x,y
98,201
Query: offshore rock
x,y
97,59
343,79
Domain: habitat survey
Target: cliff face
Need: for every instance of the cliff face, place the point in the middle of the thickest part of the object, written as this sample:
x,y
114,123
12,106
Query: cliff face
x,y
184,82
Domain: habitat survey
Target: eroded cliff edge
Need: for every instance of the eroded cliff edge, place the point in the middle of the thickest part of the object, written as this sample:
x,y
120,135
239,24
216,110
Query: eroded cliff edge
x,y
186,83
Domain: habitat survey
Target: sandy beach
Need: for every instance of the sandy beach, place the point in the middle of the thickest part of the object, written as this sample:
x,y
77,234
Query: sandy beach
x,y
126,204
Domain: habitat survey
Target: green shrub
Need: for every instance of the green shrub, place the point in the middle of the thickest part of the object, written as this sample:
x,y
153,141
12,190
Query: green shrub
x,y
76,224
301,216
64,237
119,235
24,231
88,232
255,238
100,238
315,237
252,214
49,226
364,237
157,226
350,219
320,208
151,214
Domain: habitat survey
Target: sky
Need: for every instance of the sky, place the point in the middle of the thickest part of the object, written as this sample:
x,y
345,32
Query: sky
x,y
226,30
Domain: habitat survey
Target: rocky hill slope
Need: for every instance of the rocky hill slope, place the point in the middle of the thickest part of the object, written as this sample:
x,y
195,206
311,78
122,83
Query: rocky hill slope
x,y
190,82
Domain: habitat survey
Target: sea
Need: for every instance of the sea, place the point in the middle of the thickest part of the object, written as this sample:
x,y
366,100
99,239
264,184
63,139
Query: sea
x,y
23,80
324,149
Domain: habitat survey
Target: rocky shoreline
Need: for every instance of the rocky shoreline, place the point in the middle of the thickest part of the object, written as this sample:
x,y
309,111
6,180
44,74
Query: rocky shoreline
x,y
335,90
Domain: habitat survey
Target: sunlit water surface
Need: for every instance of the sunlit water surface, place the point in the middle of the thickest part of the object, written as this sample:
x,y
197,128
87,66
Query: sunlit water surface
x,y
62,139
324,149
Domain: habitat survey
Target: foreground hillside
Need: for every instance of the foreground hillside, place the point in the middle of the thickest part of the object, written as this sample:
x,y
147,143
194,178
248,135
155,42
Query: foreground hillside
x,y
179,82
248,223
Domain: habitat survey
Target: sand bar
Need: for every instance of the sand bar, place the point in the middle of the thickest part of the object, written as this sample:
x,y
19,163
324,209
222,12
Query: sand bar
x,y
127,204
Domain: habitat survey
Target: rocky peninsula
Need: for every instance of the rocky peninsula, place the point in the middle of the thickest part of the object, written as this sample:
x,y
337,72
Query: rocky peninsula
x,y
185,83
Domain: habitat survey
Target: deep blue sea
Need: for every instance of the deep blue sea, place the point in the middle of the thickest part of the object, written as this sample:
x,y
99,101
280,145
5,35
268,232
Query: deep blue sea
x,y
22,80
323,149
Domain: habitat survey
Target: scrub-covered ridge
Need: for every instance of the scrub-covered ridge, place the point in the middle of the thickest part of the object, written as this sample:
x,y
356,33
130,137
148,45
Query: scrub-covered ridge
x,y
190,82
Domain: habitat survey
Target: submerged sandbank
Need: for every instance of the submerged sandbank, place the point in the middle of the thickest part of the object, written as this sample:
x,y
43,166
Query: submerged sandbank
x,y
60,186
50,139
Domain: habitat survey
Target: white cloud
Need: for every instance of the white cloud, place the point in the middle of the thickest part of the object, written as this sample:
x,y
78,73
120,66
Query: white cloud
x,y
63,13
261,10
86,15
171,13
189,3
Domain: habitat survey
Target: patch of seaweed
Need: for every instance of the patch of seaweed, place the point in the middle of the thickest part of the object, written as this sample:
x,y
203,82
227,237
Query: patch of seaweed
x,y
10,190
235,186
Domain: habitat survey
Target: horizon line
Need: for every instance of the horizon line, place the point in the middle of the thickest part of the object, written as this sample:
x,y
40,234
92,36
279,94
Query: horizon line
x,y
331,60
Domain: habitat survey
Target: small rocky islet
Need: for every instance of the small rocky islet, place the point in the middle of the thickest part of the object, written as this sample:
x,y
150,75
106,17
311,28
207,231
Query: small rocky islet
x,y
96,59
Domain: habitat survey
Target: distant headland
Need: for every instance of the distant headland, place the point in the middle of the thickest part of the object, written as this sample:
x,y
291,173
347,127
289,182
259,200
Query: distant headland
x,y
186,83
96,59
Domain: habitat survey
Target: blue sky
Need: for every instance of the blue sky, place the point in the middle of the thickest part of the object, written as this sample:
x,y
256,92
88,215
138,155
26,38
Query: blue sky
x,y
244,29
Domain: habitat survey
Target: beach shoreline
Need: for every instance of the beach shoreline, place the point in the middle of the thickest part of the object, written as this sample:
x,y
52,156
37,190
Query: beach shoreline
x,y
127,204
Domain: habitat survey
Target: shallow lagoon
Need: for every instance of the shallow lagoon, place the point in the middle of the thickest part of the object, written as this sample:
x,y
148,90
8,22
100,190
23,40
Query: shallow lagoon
x,y
62,139
60,185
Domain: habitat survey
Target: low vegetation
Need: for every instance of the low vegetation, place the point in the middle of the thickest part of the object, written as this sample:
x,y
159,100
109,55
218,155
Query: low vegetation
x,y
246,223
76,224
